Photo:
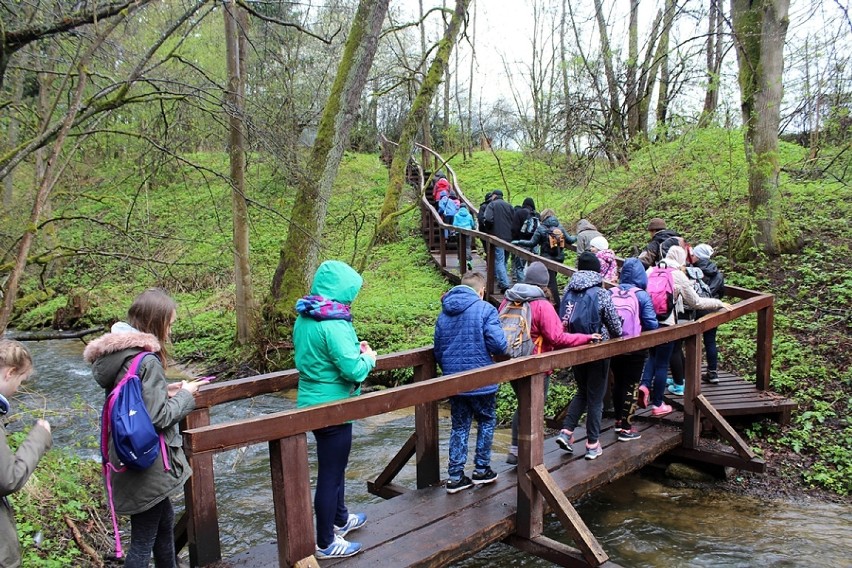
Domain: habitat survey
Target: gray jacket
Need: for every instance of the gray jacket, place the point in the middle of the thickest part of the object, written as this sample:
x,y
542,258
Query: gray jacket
x,y
585,233
15,469
111,354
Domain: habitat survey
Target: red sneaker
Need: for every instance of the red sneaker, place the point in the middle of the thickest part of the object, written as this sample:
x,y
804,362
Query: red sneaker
x,y
642,396
661,410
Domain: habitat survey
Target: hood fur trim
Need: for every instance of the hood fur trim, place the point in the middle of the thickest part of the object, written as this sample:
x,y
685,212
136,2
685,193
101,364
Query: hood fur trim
x,y
114,342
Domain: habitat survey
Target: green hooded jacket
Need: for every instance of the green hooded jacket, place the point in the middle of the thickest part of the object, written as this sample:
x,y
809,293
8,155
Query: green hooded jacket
x,y
328,353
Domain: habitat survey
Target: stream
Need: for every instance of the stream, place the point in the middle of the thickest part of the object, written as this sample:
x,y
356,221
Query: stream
x,y
640,520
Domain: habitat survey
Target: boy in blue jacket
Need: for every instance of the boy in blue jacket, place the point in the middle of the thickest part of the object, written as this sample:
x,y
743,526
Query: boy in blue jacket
x,y
467,335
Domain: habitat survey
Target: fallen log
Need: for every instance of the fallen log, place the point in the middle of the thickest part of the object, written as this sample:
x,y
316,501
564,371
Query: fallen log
x,y
45,335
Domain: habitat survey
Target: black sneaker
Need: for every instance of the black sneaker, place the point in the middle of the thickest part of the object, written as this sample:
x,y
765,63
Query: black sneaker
x,y
511,459
461,484
711,377
487,476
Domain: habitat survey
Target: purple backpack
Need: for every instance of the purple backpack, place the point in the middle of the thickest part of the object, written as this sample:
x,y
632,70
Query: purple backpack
x,y
627,306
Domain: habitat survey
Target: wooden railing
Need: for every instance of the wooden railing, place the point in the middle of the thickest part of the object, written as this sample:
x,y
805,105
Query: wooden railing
x,y
285,432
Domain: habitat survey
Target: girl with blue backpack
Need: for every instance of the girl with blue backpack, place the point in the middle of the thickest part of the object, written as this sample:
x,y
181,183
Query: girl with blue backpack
x,y
144,494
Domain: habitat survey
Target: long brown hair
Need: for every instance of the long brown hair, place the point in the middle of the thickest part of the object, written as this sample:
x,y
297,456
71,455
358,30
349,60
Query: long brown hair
x,y
151,312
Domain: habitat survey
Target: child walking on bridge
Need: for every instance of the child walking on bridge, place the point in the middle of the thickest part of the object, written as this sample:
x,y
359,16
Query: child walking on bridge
x,y
467,335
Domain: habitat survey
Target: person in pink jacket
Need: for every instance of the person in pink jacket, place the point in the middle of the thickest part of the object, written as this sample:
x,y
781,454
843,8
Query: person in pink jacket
x,y
609,267
546,330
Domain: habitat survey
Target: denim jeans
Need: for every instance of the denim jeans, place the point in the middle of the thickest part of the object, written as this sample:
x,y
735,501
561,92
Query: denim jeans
x,y
152,531
626,371
518,266
500,268
711,350
591,387
463,410
656,369
333,446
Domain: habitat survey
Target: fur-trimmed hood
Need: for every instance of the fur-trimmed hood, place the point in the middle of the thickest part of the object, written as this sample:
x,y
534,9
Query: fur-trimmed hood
x,y
109,352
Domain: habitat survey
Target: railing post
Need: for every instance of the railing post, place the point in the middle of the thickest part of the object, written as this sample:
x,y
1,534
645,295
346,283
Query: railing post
x,y
692,388
426,426
291,498
765,332
530,514
489,267
442,242
462,246
200,497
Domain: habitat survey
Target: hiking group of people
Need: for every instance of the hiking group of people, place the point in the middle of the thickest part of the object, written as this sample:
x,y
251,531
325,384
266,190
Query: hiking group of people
x,y
667,282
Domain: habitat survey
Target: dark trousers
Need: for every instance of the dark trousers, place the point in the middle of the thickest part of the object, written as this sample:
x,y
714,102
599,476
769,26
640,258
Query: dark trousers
x,y
626,371
711,350
591,387
553,286
152,531
333,446
677,363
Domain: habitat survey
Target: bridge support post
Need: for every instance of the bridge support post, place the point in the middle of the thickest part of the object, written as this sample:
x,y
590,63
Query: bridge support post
x,y
426,428
530,515
692,418
765,331
200,497
291,498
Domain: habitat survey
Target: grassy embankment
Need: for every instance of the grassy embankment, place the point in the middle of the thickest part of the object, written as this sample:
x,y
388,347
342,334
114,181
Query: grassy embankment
x,y
180,226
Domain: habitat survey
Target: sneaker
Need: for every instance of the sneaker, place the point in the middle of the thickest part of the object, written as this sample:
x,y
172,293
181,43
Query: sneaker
x,y
487,476
661,410
511,459
676,390
628,435
339,548
642,396
470,265
459,485
711,377
669,381
355,522
594,451
565,440
617,427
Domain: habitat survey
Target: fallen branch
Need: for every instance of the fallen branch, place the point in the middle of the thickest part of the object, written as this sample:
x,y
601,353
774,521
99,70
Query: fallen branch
x,y
78,538
45,335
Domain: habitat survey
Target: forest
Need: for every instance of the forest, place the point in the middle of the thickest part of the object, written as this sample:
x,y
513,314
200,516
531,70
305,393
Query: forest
x,y
222,150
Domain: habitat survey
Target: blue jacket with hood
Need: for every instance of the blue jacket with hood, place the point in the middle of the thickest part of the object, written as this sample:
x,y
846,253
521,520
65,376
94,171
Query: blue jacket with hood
x,y
633,276
467,334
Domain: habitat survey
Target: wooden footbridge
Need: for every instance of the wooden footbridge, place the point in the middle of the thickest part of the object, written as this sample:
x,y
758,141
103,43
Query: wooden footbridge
x,y
423,525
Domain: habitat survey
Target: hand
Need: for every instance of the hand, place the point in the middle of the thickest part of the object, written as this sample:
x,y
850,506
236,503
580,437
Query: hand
x,y
367,350
192,386
44,424
727,307
597,338
516,243
173,388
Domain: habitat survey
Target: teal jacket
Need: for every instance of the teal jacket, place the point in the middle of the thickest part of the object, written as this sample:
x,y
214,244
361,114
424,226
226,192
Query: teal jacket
x,y
328,353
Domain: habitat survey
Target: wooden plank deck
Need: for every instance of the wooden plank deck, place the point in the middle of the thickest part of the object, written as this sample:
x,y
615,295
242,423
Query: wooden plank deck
x,y
429,527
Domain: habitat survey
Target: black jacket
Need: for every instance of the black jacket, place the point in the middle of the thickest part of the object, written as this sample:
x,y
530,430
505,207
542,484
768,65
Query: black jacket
x,y
498,219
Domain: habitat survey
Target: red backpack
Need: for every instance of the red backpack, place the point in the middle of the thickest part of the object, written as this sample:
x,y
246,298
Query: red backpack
x,y
662,291
627,306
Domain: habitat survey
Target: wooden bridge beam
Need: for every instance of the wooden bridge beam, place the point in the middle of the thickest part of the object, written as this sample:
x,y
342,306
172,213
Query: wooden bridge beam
x,y
530,513
568,516
692,388
200,498
291,498
765,331
426,432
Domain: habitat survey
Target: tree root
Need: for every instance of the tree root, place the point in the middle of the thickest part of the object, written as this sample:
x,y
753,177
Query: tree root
x,y
78,538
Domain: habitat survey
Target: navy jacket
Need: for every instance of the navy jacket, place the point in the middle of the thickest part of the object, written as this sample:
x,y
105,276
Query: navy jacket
x,y
467,334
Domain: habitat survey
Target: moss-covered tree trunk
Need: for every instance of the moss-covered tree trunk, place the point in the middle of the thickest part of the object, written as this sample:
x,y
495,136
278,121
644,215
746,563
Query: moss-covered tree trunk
x,y
759,30
300,252
387,226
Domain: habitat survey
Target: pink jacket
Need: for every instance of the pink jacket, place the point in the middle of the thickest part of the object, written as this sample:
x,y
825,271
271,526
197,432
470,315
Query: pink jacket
x,y
609,268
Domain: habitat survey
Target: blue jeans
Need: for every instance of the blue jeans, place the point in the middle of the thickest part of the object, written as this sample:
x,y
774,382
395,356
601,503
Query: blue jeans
x,y
333,446
711,350
656,369
591,387
518,266
463,409
500,268
152,531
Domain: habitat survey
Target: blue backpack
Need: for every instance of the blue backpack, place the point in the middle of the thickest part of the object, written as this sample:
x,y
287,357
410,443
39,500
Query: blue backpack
x,y
135,441
582,311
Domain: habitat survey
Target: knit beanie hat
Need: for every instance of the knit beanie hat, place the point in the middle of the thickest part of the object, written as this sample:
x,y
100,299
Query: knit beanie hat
x,y
588,261
656,224
703,251
536,274
599,243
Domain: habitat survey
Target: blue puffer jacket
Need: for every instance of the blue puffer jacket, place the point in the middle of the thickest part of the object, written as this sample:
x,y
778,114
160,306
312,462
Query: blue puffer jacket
x,y
633,276
467,334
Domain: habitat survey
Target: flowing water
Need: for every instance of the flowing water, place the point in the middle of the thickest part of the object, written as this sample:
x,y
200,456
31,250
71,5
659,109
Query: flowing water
x,y
639,521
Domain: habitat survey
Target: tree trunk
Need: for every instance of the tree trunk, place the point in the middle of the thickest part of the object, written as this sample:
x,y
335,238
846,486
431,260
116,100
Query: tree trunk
x,y
300,252
648,75
714,62
237,46
12,136
566,90
631,97
425,127
663,92
468,140
386,228
759,29
614,121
